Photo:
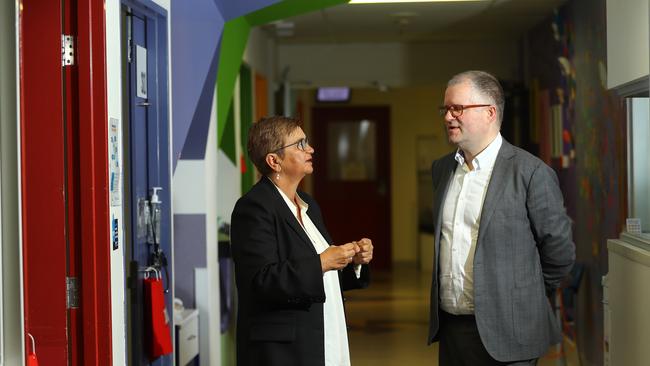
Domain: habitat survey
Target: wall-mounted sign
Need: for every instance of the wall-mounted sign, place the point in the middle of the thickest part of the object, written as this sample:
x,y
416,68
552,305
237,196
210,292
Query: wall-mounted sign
x,y
141,72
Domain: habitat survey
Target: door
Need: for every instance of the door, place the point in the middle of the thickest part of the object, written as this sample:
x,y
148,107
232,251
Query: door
x,y
147,180
63,164
352,175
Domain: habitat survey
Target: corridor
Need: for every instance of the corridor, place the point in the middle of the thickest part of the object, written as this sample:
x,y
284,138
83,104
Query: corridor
x,y
388,322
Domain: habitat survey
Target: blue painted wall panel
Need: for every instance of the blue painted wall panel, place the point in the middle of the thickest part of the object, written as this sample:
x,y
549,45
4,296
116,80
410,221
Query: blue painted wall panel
x,y
190,240
232,9
196,30
197,135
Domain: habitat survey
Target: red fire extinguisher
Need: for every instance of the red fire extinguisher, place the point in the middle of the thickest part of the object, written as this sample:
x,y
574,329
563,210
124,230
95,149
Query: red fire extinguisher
x,y
31,355
158,335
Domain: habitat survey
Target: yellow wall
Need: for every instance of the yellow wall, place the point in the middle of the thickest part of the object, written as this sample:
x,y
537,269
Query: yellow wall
x,y
414,113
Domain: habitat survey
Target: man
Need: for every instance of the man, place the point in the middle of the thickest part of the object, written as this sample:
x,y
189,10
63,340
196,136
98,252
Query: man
x,y
503,239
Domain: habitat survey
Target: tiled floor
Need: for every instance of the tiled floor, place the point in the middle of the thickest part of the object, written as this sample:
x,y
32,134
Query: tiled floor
x,y
388,322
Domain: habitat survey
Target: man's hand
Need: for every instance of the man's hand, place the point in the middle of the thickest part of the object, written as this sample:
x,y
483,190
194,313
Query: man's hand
x,y
364,255
338,256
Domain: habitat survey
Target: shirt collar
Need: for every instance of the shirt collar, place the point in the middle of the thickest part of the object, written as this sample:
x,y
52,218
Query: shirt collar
x,y
303,205
486,158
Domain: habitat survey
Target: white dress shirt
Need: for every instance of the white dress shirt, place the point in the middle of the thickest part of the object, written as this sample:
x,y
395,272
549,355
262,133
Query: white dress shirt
x,y
337,352
461,218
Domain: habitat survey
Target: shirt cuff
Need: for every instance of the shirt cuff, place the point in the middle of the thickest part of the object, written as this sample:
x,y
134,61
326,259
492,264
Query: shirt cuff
x,y
357,270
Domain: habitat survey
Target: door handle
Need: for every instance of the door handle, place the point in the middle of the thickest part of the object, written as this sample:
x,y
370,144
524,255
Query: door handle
x,y
143,104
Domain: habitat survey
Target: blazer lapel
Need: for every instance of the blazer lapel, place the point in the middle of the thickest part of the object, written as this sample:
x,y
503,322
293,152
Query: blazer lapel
x,y
286,214
295,225
496,186
448,168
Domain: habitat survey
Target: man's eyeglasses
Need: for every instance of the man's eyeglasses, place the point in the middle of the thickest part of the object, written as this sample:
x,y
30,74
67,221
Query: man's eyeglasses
x,y
300,144
456,110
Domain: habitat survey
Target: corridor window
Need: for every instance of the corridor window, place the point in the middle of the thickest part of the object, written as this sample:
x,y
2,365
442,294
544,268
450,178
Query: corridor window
x,y
638,120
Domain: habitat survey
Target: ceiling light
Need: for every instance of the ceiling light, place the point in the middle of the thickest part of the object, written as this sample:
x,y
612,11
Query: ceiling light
x,y
403,1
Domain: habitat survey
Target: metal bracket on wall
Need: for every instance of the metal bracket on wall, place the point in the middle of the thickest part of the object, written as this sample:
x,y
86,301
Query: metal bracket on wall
x,y
67,50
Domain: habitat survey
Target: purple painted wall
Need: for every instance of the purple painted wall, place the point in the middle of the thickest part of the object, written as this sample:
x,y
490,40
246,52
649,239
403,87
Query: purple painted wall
x,y
196,30
232,9
190,234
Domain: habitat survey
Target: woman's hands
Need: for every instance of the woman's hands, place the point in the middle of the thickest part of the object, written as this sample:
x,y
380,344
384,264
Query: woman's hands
x,y
364,255
338,256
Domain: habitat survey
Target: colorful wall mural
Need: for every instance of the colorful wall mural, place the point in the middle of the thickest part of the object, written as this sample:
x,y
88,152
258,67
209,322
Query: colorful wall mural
x,y
582,135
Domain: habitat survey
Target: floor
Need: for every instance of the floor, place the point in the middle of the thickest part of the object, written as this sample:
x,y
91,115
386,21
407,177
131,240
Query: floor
x,y
388,322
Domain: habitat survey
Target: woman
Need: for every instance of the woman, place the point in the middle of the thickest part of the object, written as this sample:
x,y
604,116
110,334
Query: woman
x,y
289,278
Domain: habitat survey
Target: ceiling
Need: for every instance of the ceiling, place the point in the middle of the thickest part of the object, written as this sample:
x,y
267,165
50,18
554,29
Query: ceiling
x,y
415,22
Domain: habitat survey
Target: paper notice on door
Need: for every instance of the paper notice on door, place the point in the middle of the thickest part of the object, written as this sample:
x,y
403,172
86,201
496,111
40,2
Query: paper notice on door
x,y
114,168
141,72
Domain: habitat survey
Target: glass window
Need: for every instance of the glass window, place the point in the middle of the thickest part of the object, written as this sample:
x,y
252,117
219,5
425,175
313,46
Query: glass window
x,y
351,150
639,160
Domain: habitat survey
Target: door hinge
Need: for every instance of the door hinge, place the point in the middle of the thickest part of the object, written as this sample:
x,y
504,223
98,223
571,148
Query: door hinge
x,y
67,50
129,37
72,292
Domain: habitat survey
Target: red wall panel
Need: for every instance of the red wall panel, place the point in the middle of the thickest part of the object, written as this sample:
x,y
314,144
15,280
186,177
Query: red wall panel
x,y
42,178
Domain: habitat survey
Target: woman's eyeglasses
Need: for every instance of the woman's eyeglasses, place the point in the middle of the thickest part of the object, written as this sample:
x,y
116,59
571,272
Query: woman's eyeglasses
x,y
300,144
456,110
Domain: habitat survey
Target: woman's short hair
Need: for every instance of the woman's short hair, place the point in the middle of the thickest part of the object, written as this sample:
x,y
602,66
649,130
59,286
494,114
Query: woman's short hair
x,y
266,136
486,84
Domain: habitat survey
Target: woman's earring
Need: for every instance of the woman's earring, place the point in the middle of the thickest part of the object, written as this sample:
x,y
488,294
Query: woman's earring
x,y
277,176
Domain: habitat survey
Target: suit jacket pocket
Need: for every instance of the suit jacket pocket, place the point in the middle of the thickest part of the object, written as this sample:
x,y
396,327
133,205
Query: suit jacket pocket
x,y
529,313
274,329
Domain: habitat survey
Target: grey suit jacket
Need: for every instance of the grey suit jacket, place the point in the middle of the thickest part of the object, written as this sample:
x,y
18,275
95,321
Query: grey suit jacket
x,y
524,250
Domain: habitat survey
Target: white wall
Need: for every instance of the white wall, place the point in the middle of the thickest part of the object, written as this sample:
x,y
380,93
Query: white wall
x,y
114,108
11,309
212,176
627,41
260,53
394,64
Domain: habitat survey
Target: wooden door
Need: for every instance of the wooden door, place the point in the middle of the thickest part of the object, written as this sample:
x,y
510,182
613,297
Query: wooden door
x,y
352,175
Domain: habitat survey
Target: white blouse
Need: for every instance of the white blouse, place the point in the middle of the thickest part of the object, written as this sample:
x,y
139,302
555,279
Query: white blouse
x,y
337,351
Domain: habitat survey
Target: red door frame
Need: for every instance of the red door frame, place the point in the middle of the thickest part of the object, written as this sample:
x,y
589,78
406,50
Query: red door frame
x,y
93,192
42,180
50,175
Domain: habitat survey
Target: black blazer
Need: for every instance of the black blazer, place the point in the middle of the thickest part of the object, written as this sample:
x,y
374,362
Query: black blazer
x,y
279,281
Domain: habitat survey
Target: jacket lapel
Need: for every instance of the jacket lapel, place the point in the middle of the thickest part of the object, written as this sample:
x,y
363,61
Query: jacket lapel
x,y
447,171
496,186
285,213
295,225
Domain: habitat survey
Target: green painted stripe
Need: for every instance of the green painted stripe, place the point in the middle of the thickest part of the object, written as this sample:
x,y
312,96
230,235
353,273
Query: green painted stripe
x,y
233,43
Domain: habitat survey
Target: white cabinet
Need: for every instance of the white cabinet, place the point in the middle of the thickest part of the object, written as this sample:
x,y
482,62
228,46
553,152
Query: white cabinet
x,y
187,337
628,300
